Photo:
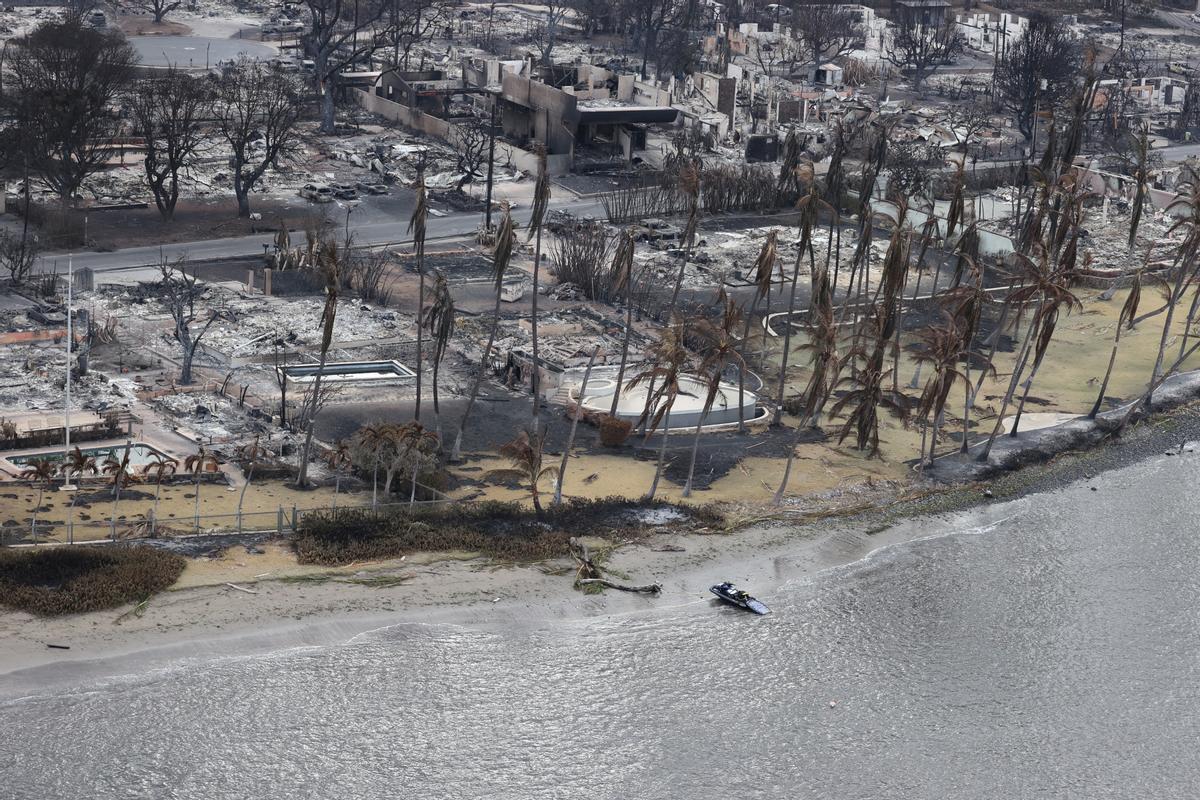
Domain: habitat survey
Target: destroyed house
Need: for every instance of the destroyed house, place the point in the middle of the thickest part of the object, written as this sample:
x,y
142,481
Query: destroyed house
x,y
428,91
566,117
930,13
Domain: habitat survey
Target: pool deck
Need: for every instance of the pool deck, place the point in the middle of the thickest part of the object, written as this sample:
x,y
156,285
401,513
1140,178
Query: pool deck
x,y
164,440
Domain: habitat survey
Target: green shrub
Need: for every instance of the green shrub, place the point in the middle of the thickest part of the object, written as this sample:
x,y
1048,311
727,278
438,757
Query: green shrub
x,y
505,531
68,580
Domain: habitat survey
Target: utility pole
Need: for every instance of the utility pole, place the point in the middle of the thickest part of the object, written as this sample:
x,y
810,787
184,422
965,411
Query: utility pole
x,y
487,225
67,396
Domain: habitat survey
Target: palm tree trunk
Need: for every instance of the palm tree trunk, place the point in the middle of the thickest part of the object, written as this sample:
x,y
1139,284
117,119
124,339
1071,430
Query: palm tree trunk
x,y
420,323
612,411
1024,396
112,528
1112,360
787,473
537,500
199,467
412,494
562,468
437,409
1018,368
938,418
242,496
662,450
375,484
154,513
787,342
1191,316
762,350
968,401
310,421
687,486
995,337
1176,294
535,378
456,451
742,369
33,523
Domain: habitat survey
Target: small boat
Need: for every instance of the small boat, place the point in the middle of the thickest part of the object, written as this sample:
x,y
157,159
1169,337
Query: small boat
x,y
737,597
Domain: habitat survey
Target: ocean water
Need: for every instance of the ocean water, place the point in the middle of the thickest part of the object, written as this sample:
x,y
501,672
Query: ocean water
x,y
1044,648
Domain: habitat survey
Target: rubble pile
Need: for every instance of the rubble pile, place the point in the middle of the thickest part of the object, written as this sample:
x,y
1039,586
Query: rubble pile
x,y
254,324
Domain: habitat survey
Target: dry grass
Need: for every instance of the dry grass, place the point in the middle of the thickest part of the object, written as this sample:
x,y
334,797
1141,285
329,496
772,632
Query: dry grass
x,y
69,580
502,531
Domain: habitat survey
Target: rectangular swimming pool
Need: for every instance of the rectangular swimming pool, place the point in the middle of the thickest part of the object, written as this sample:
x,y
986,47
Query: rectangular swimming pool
x,y
139,455
350,372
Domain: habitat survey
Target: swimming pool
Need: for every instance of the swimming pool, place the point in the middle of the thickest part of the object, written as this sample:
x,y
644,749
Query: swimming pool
x,y
140,455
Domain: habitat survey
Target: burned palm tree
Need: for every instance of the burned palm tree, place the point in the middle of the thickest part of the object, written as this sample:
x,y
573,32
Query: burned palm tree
x,y
1050,289
250,455
1186,268
371,441
416,447
872,165
339,459
689,186
416,226
868,392
764,271
668,359
833,175
440,321
40,471
197,464
718,350
942,349
792,152
576,414
1141,176
77,464
621,277
810,206
1033,225
965,251
1124,320
330,261
822,345
965,303
506,239
161,468
525,454
1046,322
541,200
117,469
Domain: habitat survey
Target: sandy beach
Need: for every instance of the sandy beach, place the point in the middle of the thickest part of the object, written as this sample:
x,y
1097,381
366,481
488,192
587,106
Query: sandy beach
x,y
290,606
218,620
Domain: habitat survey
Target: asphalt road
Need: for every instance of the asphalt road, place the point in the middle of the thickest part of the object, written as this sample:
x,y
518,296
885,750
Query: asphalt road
x,y
371,234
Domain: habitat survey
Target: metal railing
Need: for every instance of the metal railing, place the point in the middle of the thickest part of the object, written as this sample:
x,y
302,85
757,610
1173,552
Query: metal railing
x,y
283,520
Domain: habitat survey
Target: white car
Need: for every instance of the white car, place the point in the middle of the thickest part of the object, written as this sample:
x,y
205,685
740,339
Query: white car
x,y
317,194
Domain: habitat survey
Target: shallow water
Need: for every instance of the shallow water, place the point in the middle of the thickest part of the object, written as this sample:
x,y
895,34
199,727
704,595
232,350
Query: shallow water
x,y
1043,648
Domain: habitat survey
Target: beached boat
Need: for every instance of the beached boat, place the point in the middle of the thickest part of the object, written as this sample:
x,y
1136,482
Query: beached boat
x,y
734,596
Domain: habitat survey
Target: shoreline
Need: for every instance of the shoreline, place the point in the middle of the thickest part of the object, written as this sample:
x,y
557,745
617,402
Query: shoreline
x,y
215,621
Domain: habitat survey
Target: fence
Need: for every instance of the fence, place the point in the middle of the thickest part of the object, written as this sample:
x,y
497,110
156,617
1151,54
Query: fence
x,y
281,521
